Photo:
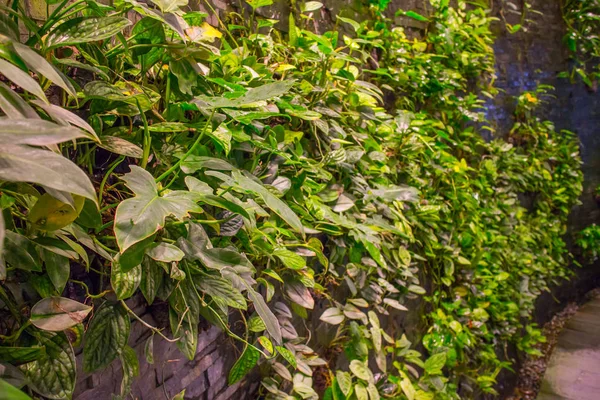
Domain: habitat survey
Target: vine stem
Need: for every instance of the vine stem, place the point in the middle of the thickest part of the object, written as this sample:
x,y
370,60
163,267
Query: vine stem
x,y
189,152
110,170
147,325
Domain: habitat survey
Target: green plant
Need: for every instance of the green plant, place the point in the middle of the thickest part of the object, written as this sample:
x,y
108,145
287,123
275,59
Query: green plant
x,y
233,175
581,18
588,240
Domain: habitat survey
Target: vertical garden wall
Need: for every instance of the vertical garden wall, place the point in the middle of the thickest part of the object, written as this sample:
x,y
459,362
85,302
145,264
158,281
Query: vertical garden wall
x,y
335,200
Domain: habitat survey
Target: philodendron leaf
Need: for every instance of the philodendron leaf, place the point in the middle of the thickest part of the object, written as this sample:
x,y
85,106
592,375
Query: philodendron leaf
x,y
53,374
244,364
58,313
165,252
106,336
82,30
20,355
27,164
125,283
139,217
9,392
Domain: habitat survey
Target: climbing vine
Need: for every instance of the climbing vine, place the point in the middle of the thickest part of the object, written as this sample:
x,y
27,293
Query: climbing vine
x,y
296,191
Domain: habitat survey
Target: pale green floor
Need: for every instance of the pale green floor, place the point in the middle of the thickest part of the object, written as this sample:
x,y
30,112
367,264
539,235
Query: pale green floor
x,y
573,372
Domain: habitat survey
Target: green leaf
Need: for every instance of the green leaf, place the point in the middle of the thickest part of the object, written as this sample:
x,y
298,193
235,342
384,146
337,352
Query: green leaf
x,y
50,214
40,65
416,16
253,95
125,283
361,370
287,355
184,316
310,6
133,256
53,375
89,217
58,313
152,278
266,344
265,313
23,79
256,324
275,204
106,336
20,355
9,392
141,216
83,30
344,381
87,67
244,364
222,136
165,252
169,6
299,293
65,117
435,363
36,132
193,163
27,164
259,3
149,350
20,252
128,94
121,146
217,201
131,369
58,269
333,316
355,25
14,106
223,289
290,259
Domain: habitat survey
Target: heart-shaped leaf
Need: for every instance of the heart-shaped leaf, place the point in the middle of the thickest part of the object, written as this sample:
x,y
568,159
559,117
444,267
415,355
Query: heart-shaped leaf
x,y
58,313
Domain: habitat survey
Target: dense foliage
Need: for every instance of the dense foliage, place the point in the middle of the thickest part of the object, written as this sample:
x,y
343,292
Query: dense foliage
x,y
581,18
232,175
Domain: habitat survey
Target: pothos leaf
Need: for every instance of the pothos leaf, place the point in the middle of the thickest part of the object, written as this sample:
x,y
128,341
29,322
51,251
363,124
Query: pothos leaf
x,y
53,374
82,30
244,364
106,336
125,283
287,355
139,217
131,369
152,277
18,355
265,313
58,313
